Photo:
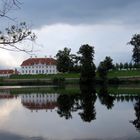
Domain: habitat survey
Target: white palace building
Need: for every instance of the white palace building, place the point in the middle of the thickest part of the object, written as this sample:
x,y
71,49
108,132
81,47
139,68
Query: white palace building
x,y
39,66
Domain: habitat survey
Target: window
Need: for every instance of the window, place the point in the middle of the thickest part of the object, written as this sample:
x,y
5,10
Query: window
x,y
32,71
37,71
22,71
46,71
42,71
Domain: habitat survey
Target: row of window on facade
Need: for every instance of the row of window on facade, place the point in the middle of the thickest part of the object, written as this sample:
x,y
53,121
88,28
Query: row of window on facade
x,y
38,67
38,71
40,96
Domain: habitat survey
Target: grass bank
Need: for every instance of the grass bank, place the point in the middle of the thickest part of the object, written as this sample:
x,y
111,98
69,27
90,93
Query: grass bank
x,y
112,74
43,76
115,77
124,73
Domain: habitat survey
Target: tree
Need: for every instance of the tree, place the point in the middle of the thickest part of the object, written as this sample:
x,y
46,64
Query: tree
x,y
64,61
105,98
102,71
117,66
15,33
87,65
126,65
75,67
88,99
135,41
136,122
121,66
104,68
130,66
65,105
7,6
108,62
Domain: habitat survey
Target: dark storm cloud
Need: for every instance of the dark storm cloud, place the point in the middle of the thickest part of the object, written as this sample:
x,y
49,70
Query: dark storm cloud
x,y
12,136
41,12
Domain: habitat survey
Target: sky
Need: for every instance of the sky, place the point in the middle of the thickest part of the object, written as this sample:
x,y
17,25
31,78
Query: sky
x,y
108,25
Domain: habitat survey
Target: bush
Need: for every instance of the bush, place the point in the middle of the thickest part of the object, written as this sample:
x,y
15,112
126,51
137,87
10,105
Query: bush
x,y
114,80
58,80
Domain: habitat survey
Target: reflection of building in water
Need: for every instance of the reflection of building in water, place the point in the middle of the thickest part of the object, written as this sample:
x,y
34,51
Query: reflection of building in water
x,y
6,95
39,101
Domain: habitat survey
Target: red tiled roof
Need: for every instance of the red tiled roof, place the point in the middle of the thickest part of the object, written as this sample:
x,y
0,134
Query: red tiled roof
x,y
32,105
6,96
7,71
32,61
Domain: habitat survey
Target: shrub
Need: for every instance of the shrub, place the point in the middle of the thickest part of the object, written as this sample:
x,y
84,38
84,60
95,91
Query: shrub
x,y
58,80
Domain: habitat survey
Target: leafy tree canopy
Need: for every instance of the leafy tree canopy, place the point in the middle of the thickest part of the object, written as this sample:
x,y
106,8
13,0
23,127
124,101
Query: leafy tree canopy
x,y
135,41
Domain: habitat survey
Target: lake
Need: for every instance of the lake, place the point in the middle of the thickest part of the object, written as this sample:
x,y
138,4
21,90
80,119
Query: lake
x,y
70,113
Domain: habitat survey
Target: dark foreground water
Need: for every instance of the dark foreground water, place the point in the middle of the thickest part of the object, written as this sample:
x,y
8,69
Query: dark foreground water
x,y
45,114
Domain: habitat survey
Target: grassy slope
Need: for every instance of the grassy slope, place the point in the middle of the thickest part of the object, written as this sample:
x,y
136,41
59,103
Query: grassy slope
x,y
74,90
50,76
123,73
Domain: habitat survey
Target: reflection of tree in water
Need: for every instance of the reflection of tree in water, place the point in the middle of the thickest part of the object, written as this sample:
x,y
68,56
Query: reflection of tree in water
x,y
88,98
105,98
136,122
65,105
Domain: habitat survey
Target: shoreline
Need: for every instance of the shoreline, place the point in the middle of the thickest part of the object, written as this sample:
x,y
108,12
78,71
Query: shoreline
x,y
49,81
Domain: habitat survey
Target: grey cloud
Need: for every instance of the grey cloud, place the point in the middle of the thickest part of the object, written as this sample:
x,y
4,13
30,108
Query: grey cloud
x,y
44,12
11,136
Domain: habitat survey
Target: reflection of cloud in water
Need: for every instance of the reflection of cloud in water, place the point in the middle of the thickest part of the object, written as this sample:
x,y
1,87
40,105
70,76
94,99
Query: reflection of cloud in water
x,y
119,138
7,108
10,136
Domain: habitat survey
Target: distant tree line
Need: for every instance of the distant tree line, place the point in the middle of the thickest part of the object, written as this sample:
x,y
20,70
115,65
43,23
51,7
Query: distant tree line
x,y
83,62
125,66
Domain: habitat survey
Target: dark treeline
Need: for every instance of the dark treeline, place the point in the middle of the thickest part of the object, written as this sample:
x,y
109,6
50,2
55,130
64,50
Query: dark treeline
x,y
125,66
83,62
84,103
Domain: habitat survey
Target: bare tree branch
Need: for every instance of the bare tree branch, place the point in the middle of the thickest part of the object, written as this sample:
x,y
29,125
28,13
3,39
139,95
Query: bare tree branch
x,y
14,34
7,6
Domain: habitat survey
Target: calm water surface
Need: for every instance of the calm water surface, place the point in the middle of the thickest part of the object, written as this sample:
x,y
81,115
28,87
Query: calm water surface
x,y
50,115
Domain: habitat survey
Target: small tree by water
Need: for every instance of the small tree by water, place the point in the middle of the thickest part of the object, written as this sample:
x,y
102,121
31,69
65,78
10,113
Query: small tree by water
x,y
104,68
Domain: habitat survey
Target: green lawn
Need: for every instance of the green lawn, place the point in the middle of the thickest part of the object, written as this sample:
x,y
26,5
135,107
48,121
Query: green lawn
x,y
124,73
49,76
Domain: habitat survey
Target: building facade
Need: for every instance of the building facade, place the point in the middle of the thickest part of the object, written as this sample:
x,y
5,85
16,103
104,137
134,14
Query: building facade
x,y
6,73
39,101
39,66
